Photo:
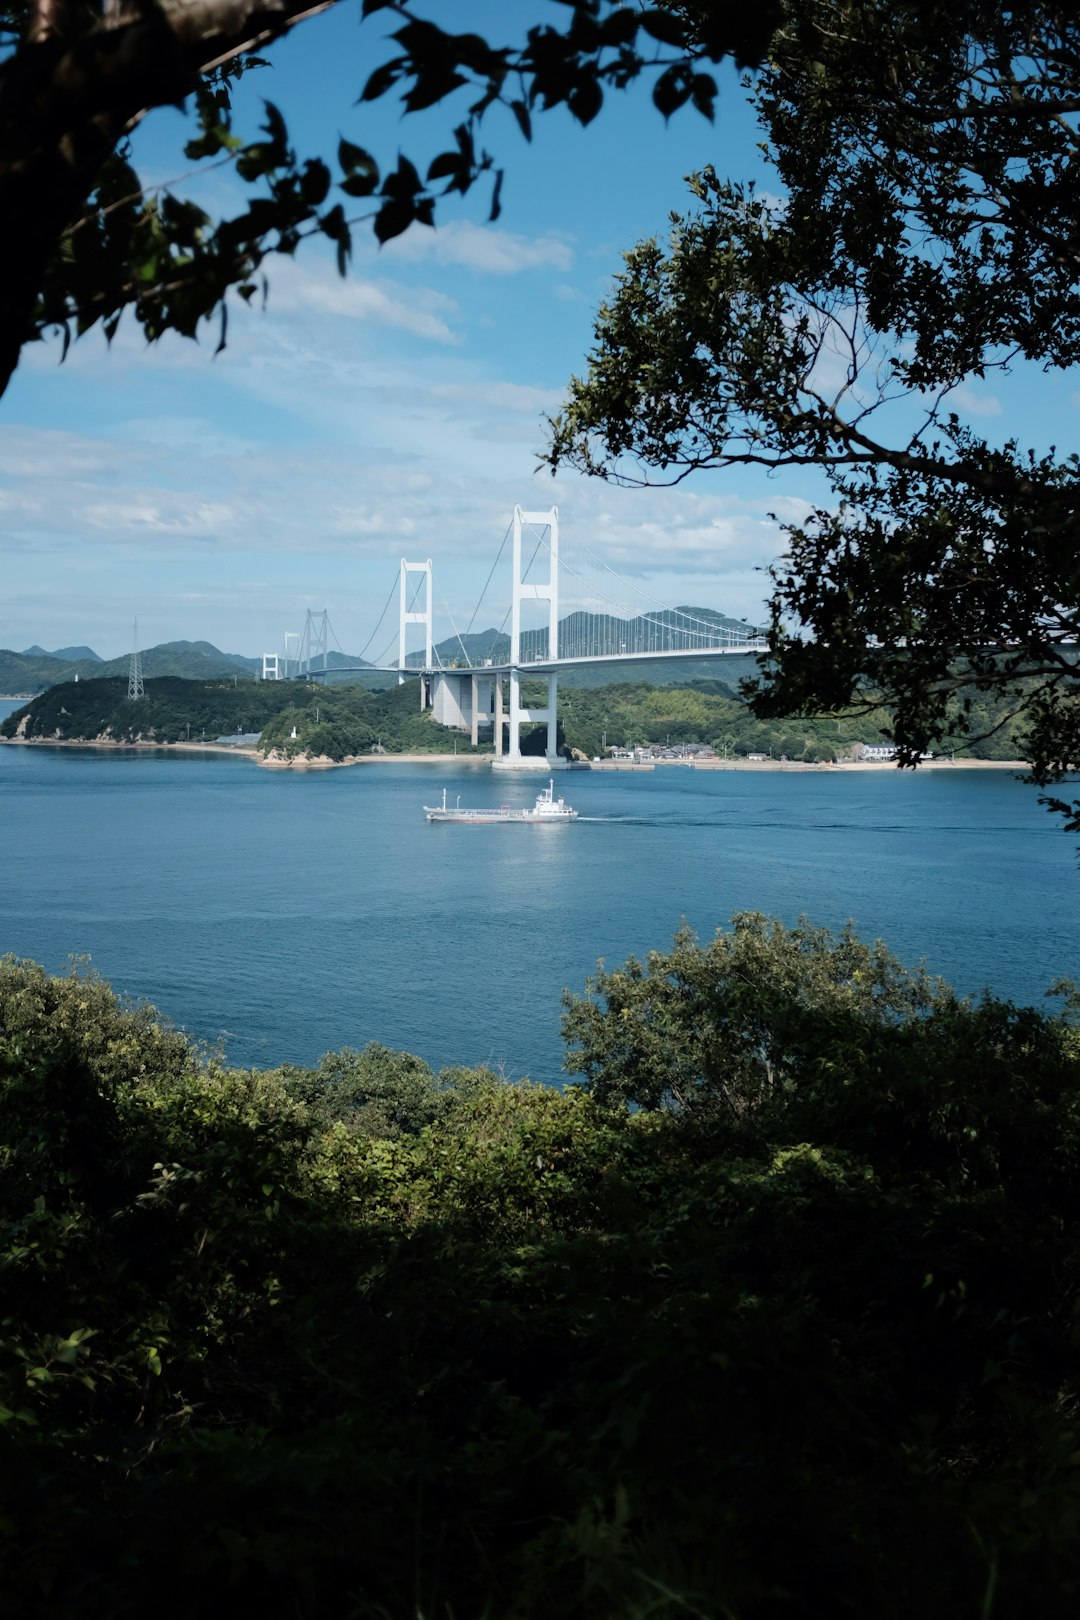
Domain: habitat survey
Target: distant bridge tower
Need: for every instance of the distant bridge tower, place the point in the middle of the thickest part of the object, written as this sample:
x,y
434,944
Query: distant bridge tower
x,y
315,642
414,616
283,665
135,680
544,591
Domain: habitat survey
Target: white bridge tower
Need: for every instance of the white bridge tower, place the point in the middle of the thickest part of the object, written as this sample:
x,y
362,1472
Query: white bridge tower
x,y
315,643
411,615
544,590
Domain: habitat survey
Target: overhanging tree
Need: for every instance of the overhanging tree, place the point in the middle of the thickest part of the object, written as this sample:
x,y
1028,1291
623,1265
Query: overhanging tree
x,y
928,233
85,240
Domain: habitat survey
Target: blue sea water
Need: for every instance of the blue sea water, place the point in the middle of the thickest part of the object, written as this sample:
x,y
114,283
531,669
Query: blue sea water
x,y
289,914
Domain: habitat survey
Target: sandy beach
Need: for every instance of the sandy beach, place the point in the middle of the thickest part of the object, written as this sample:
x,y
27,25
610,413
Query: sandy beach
x,y
272,762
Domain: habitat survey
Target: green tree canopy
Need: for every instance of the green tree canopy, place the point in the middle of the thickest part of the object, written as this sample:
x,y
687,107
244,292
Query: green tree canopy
x,y
370,1342
86,241
925,231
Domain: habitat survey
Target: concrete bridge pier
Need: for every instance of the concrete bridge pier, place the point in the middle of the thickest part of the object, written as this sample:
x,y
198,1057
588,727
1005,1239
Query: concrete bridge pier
x,y
514,759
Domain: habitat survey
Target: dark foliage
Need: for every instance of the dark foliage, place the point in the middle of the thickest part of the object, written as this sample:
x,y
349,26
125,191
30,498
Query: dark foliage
x,y
490,1349
92,242
926,156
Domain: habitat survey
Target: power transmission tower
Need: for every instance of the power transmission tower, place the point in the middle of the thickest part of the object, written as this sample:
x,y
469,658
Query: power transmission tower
x,y
135,680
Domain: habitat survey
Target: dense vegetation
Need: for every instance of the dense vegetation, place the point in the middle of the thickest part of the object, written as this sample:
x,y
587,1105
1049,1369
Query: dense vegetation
x,y
776,1313
172,710
345,721
350,720
334,724
708,711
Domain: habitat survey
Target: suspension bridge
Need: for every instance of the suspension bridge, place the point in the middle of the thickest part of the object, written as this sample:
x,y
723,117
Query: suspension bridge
x,y
478,686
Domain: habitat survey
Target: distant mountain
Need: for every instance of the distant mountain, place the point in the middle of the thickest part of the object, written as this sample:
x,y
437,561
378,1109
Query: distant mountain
x,y
190,660
604,634
708,672
35,670
344,669
22,673
70,655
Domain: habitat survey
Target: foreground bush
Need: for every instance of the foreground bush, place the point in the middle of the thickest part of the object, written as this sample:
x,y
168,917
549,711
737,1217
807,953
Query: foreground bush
x,y
793,1334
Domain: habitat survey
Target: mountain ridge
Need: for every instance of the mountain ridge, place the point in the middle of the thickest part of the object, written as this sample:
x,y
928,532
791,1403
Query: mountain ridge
x,y
36,670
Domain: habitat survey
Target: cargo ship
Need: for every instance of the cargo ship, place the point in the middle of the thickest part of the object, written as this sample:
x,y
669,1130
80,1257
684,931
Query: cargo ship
x,y
547,808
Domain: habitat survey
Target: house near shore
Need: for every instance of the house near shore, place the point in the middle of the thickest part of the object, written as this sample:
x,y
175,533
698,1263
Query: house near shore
x,y
878,753
874,753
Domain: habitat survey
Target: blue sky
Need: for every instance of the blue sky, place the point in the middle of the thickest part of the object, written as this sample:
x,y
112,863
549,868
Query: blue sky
x,y
397,412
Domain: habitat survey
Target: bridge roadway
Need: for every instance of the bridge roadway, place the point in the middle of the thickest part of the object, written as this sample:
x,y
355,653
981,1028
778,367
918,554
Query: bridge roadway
x,y
541,666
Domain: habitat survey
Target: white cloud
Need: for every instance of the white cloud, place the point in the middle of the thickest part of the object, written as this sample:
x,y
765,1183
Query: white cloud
x,y
166,513
185,435
314,289
48,456
974,401
483,248
519,398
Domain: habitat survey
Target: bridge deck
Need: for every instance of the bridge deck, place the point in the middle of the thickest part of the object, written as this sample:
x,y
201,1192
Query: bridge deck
x,y
540,666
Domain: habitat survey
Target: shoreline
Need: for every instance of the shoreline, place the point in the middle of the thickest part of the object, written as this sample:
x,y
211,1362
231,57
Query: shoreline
x,y
269,762
846,765
130,747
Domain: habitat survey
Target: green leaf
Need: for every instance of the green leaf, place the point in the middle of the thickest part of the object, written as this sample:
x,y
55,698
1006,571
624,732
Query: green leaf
x,y
315,182
432,88
586,101
447,163
703,94
353,158
404,182
664,26
381,80
671,91
393,218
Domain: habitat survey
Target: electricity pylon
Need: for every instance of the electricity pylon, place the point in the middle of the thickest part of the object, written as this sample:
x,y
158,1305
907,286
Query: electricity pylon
x,y
135,680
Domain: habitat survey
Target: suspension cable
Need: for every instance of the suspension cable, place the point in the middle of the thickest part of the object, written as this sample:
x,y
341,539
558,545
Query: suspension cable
x,y
382,616
645,595
708,633
487,582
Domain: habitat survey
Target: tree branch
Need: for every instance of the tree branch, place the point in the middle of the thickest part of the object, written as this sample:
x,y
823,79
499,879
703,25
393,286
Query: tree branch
x,y
65,103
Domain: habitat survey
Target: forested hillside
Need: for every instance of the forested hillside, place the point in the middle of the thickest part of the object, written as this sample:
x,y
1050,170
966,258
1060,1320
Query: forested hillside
x,y
172,710
777,1309
331,724
711,712
342,721
350,720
